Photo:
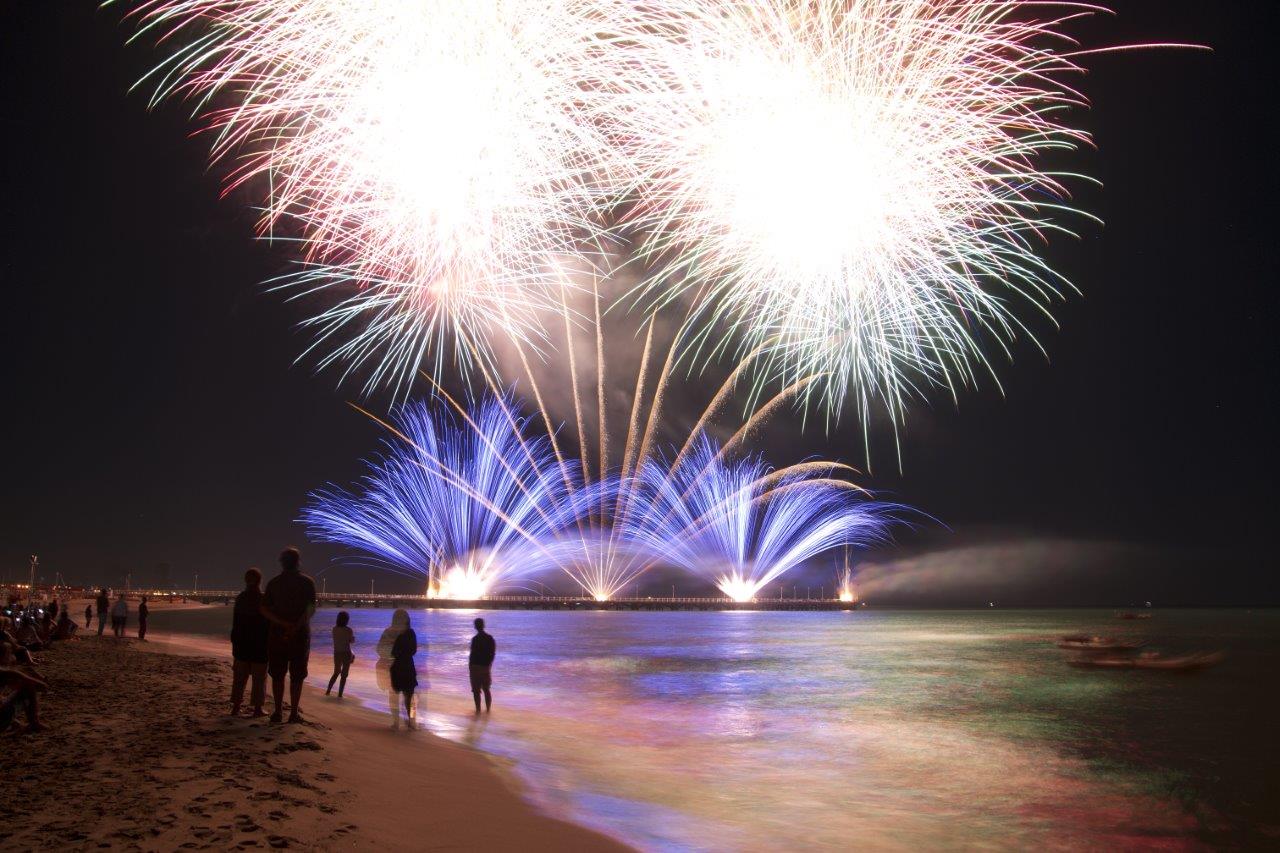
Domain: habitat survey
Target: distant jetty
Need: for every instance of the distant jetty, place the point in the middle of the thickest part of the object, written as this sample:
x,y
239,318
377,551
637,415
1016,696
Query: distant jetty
x,y
537,602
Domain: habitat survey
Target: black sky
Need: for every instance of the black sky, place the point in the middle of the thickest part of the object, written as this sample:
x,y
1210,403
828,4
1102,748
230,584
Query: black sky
x,y
153,412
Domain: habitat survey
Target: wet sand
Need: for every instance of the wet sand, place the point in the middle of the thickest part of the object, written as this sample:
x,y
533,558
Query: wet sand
x,y
139,753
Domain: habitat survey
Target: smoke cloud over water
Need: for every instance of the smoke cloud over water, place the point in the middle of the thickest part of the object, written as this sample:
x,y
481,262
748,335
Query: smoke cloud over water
x,y
1040,572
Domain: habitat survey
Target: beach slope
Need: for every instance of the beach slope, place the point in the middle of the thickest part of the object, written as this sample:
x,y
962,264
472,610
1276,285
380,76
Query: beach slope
x,y
139,753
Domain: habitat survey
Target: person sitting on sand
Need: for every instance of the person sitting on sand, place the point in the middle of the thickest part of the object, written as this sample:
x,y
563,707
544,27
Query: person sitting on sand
x,y
66,628
18,691
104,604
483,650
21,652
403,670
88,616
249,645
288,604
343,638
119,617
143,613
28,634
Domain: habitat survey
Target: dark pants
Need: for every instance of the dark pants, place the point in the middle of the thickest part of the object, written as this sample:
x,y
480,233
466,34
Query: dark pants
x,y
142,629
288,656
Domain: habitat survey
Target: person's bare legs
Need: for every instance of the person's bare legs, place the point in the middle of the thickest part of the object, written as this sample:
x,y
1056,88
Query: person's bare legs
x,y
475,694
337,670
394,701
295,696
488,700
342,684
410,713
239,675
259,694
277,694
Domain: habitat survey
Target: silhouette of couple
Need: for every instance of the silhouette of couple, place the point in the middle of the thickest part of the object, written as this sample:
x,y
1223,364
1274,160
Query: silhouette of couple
x,y
271,635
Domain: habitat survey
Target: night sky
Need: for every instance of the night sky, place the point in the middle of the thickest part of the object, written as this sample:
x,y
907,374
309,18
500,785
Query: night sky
x,y
154,413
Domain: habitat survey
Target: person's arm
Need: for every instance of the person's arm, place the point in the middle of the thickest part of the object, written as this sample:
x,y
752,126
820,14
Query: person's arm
x,y
28,679
310,608
264,607
271,617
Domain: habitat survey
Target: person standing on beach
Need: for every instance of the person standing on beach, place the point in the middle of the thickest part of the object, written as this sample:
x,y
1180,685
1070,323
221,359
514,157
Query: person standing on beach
x,y
249,645
288,604
119,617
404,671
484,648
343,637
104,604
88,616
143,613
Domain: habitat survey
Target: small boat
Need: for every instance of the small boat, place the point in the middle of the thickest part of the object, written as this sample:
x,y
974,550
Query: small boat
x,y
1131,615
1151,660
1083,643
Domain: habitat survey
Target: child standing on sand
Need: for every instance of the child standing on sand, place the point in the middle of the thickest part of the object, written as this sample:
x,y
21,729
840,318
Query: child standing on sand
x,y
343,638
143,613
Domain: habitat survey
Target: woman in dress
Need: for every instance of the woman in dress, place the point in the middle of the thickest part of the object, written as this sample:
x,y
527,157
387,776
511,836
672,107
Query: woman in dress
x,y
396,649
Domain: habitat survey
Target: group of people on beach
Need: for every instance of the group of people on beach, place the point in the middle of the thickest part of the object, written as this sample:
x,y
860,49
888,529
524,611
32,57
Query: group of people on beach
x,y
271,636
25,630
119,613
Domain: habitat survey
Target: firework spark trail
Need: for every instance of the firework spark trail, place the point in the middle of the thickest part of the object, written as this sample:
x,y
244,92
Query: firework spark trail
x,y
854,181
730,526
633,423
472,504
431,156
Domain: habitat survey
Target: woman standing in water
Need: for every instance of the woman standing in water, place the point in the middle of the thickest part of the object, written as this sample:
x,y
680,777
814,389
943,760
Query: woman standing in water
x,y
397,671
343,637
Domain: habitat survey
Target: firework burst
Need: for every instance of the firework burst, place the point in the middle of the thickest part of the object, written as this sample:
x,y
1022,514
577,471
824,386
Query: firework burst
x,y
742,524
466,505
856,185
429,156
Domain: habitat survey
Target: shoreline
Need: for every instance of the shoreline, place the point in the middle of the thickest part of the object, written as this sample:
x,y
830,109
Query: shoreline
x,y
139,752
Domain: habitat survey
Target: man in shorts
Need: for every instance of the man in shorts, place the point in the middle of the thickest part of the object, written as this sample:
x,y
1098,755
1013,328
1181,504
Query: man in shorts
x,y
483,650
288,603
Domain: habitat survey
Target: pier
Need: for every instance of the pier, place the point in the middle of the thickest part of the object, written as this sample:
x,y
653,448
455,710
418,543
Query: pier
x,y
348,600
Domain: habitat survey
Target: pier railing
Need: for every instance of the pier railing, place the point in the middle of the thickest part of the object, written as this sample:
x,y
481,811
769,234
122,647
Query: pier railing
x,y
526,602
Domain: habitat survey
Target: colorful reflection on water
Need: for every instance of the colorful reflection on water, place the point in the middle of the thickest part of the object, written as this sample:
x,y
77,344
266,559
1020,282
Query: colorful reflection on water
x,y
891,730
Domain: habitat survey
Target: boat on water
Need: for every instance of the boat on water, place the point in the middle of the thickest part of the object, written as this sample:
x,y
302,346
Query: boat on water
x,y
1128,614
1085,643
1150,660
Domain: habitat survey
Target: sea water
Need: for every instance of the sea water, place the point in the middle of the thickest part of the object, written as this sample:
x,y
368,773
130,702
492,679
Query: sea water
x,y
875,729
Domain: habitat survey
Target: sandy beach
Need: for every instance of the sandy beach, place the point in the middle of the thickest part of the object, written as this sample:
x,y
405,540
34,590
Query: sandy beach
x,y
140,754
